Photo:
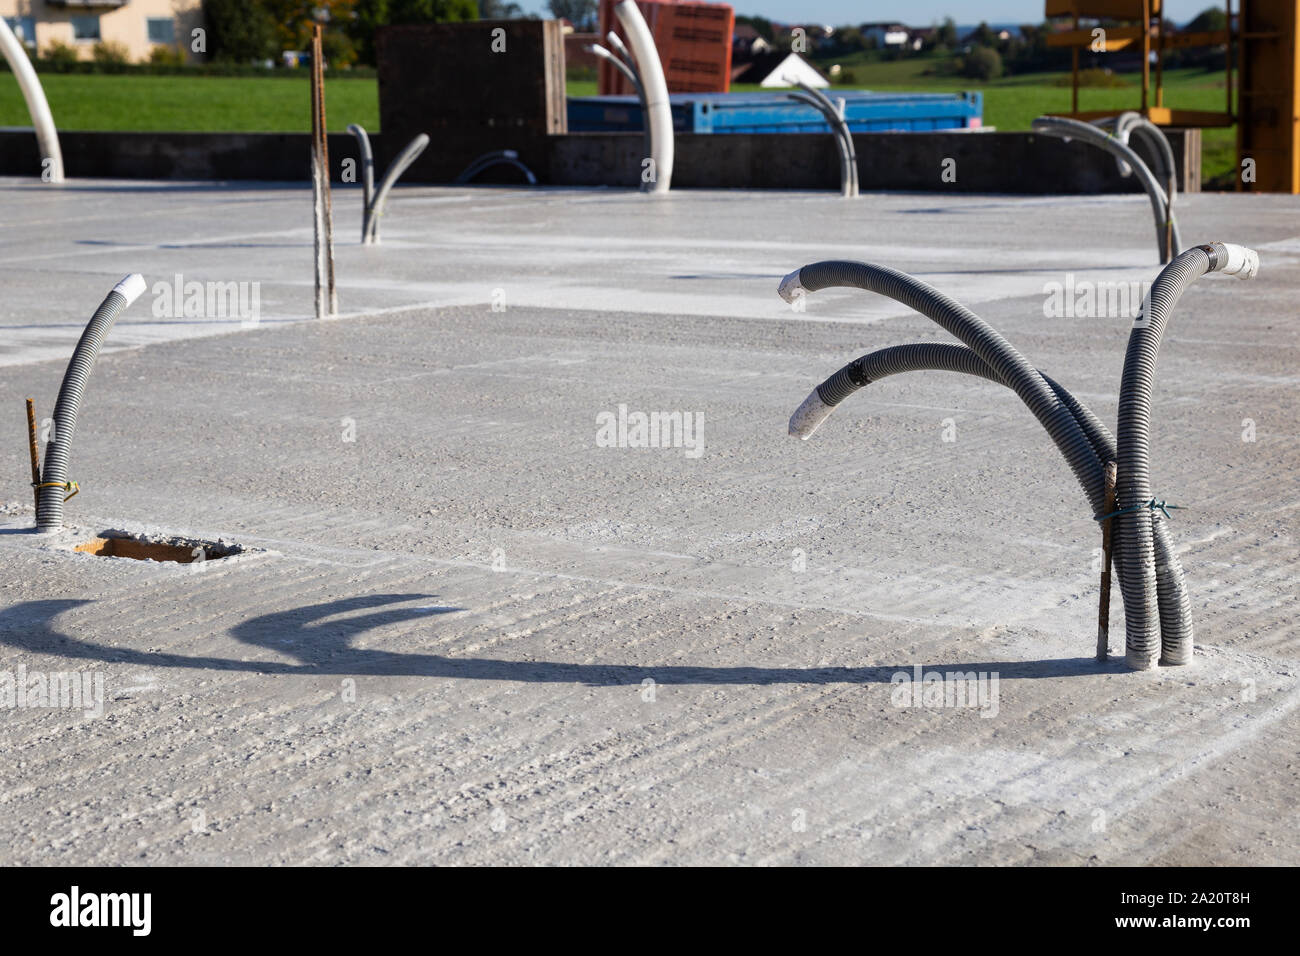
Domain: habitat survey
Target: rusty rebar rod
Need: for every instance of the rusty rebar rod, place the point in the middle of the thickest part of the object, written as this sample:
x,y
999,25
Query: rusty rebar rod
x,y
36,455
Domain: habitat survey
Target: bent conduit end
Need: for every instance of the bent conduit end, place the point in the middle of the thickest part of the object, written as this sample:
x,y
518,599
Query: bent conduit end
x,y
1232,259
807,418
131,287
791,288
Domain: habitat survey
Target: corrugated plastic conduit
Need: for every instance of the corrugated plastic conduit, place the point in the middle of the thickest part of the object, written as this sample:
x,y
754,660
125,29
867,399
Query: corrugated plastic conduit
x,y
1157,609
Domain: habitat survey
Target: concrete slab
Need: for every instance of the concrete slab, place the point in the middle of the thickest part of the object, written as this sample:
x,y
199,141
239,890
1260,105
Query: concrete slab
x,y
468,632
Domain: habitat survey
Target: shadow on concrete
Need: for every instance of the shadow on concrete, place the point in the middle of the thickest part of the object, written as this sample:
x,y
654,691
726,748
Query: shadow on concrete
x,y
322,646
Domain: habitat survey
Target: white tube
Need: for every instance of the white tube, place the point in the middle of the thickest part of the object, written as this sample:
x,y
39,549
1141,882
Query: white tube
x,y
660,114
1238,260
807,418
791,288
47,137
131,287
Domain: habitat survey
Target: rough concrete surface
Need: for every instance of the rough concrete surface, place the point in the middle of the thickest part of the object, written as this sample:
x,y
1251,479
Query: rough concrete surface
x,y
465,631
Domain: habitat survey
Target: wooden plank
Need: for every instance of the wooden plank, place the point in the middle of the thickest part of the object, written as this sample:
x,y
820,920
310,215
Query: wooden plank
x,y
1160,115
1100,9
1117,38
1204,38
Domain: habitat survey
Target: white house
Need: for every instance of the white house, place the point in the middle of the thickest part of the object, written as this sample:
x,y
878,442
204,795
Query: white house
x,y
775,69
140,26
886,34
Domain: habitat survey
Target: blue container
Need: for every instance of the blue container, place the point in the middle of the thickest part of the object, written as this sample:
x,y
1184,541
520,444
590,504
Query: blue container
x,y
776,113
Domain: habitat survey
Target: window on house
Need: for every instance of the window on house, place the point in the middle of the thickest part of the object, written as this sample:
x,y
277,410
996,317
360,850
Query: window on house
x,y
85,28
161,29
24,28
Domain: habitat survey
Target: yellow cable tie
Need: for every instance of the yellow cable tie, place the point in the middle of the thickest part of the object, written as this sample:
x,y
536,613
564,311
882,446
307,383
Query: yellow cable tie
x,y
65,485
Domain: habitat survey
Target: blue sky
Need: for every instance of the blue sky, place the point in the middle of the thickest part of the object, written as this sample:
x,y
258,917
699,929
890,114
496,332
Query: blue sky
x,y
919,13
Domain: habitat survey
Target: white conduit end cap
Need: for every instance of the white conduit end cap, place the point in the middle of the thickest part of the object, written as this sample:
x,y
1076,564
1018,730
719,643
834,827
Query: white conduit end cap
x,y
807,418
131,287
791,288
1240,261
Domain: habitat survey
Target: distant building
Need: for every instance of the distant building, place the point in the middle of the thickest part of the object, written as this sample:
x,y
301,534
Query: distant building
x,y
973,37
886,34
776,69
921,38
747,42
140,26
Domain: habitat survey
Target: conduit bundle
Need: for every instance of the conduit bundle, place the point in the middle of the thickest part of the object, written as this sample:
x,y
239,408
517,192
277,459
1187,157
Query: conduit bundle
x,y
1162,198
1157,611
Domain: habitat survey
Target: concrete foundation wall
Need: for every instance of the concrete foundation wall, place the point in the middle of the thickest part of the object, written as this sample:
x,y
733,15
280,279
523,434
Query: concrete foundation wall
x,y
278,157
983,162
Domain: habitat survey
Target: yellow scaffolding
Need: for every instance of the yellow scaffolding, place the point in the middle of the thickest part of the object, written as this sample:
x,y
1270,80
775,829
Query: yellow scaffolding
x,y
1260,40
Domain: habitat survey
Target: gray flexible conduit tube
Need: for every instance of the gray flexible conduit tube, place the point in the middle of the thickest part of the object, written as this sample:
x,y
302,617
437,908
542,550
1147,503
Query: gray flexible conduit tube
x,y
1148,637
619,47
1065,128
367,177
1170,585
506,157
1151,577
1083,440
942,357
1131,126
846,174
54,472
395,169
372,200
1010,366
838,122
367,173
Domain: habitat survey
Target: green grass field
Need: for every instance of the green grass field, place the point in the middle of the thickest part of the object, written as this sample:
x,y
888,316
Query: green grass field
x,y
282,103
274,104
1011,103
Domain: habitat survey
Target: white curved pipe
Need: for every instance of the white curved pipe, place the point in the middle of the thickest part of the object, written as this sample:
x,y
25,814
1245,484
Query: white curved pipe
x,y
659,113
839,125
47,137
395,169
628,69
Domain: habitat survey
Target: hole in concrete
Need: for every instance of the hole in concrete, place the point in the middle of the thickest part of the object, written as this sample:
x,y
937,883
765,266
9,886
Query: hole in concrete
x,y
119,544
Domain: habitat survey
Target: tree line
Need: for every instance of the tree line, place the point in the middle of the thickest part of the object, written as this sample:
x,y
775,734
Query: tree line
x,y
254,31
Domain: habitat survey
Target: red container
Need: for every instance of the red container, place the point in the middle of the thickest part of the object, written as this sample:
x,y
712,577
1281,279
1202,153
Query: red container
x,y
693,40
